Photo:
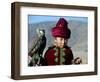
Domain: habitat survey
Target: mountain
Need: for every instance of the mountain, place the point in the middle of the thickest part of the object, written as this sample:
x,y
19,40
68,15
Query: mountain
x,y
77,42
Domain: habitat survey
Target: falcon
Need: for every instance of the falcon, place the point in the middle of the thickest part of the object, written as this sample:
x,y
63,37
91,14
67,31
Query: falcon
x,y
36,52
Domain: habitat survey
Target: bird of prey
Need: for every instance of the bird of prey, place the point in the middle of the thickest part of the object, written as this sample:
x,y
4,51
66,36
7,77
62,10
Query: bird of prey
x,y
36,52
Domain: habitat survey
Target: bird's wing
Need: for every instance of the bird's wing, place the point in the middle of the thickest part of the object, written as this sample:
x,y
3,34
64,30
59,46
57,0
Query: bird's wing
x,y
35,44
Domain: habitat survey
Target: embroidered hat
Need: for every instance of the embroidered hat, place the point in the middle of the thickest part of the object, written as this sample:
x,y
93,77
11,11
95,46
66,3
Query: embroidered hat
x,y
61,29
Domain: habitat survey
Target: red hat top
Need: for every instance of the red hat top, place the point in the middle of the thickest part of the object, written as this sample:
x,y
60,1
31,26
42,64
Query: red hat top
x,y
61,29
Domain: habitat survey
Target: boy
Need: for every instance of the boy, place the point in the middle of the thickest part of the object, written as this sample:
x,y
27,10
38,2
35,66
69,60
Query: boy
x,y
60,53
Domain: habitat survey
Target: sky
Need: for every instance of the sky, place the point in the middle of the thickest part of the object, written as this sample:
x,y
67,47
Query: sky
x,y
40,18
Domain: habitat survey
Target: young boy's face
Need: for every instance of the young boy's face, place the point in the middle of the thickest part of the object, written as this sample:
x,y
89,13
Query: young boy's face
x,y
59,42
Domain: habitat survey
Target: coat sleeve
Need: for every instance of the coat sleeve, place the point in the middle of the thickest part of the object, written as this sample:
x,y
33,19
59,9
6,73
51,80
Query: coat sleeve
x,y
71,53
69,56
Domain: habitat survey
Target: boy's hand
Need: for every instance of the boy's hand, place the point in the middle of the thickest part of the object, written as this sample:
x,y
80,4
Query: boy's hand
x,y
77,60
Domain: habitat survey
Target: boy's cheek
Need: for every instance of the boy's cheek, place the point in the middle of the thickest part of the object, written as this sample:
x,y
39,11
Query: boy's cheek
x,y
60,45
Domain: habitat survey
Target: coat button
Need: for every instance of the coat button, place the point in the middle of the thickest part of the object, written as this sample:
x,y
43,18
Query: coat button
x,y
56,59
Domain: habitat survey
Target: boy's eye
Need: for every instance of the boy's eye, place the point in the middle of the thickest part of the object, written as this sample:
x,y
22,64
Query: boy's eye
x,y
61,38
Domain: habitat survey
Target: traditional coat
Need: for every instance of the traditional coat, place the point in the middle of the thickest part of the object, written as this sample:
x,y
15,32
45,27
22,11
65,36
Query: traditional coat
x,y
58,56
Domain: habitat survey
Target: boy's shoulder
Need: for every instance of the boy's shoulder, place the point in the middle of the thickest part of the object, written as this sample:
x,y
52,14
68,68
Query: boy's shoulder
x,y
51,47
68,49
67,46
